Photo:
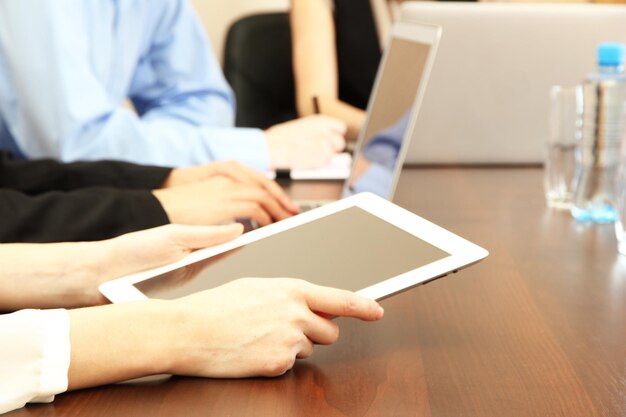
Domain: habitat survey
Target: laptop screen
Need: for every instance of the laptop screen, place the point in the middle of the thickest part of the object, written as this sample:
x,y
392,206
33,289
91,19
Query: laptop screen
x,y
392,109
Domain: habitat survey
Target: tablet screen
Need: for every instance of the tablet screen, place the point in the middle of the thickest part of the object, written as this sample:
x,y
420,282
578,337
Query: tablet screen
x,y
350,249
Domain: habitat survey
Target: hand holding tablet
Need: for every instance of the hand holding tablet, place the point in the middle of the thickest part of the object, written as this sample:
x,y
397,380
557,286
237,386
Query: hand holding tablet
x,y
247,327
226,324
272,323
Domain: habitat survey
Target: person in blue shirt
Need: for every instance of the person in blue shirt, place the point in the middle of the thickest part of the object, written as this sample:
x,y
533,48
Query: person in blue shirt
x,y
67,67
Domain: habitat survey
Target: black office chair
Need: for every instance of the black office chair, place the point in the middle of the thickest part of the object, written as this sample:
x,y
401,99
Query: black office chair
x,y
257,64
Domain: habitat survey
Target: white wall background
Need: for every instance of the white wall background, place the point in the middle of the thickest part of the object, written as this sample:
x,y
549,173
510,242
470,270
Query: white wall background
x,y
217,16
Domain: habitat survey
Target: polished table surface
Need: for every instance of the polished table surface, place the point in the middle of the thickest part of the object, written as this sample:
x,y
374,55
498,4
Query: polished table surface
x,y
536,329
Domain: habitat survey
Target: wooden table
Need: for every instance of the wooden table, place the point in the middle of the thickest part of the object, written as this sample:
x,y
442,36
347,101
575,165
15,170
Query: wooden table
x,y
536,329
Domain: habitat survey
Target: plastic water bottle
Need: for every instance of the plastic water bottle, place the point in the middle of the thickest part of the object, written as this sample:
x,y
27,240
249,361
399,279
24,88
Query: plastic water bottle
x,y
598,155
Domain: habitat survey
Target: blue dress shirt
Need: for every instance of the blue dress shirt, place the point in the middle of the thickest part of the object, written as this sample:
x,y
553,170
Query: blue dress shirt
x,y
67,66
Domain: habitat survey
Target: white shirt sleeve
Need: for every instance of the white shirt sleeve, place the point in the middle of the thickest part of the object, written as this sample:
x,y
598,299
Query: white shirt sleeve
x,y
34,356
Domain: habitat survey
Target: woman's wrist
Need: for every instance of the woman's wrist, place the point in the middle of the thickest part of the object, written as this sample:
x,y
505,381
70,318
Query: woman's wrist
x,y
352,116
120,342
158,335
63,275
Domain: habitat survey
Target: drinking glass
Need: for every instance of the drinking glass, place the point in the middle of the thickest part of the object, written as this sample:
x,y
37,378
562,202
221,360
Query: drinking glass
x,y
564,117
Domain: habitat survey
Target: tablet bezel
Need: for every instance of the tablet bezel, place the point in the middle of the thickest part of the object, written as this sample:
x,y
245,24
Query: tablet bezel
x,y
462,252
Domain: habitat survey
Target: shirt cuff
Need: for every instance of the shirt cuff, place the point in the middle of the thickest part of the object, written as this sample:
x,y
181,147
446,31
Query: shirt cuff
x,y
56,355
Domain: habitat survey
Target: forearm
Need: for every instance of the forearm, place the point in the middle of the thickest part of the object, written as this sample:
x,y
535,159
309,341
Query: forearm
x,y
120,342
38,176
118,174
314,53
165,141
36,276
206,334
69,274
352,116
88,214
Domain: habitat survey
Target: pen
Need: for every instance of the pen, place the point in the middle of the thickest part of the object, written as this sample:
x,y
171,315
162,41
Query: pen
x,y
316,105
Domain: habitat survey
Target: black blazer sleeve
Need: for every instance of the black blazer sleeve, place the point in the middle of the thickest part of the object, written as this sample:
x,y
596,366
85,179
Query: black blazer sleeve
x,y
88,214
38,176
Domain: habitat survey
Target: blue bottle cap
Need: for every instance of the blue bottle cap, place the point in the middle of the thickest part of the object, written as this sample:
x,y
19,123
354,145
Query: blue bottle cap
x,y
611,53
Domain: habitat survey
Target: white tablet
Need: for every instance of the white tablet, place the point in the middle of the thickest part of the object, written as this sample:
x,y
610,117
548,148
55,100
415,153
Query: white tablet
x,y
362,243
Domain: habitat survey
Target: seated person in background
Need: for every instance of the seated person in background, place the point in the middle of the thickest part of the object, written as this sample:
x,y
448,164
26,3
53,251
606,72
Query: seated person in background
x,y
47,201
67,68
336,51
46,352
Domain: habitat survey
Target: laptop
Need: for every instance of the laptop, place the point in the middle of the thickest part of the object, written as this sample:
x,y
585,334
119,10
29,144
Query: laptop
x,y
487,98
392,111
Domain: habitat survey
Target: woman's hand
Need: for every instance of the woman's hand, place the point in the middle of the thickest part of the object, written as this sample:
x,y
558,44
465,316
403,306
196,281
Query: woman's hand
x,y
221,200
305,143
248,327
134,252
256,326
234,171
68,274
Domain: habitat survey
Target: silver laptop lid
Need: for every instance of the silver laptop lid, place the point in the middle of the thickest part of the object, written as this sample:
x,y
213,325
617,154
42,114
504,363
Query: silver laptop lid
x,y
487,97
393,108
